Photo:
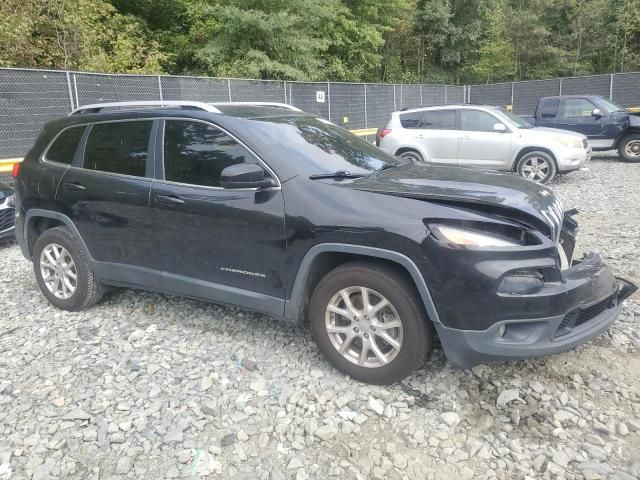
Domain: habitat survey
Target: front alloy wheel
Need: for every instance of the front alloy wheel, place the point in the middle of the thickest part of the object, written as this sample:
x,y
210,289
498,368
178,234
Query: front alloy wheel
x,y
537,166
369,322
364,327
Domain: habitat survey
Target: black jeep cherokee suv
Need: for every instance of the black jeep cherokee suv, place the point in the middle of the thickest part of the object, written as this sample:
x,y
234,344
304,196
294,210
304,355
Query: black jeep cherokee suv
x,y
275,210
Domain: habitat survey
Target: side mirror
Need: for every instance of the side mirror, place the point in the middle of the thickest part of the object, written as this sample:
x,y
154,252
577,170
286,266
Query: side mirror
x,y
596,113
500,128
244,175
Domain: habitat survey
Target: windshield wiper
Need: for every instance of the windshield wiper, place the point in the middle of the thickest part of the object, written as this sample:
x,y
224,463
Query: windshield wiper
x,y
339,174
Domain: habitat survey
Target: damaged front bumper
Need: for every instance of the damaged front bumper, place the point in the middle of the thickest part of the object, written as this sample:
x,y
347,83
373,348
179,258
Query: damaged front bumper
x,y
591,299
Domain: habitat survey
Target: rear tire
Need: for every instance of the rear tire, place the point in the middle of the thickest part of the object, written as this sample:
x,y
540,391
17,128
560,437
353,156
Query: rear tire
x,y
413,155
629,148
538,166
397,337
63,271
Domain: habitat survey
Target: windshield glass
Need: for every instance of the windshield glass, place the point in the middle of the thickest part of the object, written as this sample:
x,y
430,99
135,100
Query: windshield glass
x,y
610,106
312,145
513,118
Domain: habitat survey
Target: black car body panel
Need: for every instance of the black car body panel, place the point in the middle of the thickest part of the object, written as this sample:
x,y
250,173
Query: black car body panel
x,y
7,211
264,248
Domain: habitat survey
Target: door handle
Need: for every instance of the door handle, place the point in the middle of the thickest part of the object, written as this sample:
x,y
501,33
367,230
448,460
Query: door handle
x,y
419,137
74,186
169,200
465,137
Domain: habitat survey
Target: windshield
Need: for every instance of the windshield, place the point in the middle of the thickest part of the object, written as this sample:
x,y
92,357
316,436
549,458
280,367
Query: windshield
x,y
513,118
311,145
610,106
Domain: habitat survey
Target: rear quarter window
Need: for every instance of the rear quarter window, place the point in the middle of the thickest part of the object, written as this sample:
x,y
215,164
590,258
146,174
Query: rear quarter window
x,y
118,147
64,147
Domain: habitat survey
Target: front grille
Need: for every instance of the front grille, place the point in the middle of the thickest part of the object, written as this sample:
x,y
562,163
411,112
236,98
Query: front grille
x,y
580,316
7,216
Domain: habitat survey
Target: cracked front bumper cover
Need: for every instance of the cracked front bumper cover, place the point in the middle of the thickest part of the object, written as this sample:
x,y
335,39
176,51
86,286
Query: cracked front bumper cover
x,y
534,337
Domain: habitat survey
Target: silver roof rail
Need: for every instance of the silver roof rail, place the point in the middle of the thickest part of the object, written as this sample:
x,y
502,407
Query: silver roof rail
x,y
260,104
97,107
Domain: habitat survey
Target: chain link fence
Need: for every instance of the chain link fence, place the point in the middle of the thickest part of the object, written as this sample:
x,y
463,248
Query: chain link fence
x,y
622,88
30,97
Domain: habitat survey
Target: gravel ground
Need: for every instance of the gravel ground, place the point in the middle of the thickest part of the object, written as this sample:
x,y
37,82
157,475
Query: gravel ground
x,y
152,386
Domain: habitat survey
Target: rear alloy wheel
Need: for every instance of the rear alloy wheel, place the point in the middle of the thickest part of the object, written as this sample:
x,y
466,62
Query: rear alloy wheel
x,y
537,166
629,148
412,155
63,270
368,321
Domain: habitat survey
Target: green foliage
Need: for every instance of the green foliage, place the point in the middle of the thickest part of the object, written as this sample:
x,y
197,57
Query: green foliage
x,y
429,41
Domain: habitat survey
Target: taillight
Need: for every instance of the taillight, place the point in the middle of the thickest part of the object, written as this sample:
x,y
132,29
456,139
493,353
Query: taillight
x,y
16,170
385,132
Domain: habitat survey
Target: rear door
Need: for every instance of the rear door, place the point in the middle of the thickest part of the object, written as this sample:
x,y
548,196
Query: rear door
x,y
548,113
480,145
435,131
222,245
106,195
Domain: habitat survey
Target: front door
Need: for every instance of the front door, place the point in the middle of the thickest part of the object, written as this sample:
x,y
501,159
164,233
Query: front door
x,y
106,196
576,116
480,145
222,245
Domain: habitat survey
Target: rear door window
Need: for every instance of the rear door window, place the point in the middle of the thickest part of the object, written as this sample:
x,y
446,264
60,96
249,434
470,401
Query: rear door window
x,y
196,153
550,108
64,147
119,147
439,120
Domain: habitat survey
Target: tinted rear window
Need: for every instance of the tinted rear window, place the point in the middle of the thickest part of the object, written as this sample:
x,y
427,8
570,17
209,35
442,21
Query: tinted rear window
x,y
64,147
439,120
118,147
550,108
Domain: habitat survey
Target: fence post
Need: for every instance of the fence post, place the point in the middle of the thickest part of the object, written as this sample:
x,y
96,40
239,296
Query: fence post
x,y
611,87
513,84
421,103
329,100
160,88
75,89
365,106
401,97
69,89
560,90
284,84
446,101
229,87
395,108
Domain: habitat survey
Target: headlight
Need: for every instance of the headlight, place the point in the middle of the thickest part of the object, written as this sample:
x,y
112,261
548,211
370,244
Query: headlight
x,y
569,141
11,201
470,238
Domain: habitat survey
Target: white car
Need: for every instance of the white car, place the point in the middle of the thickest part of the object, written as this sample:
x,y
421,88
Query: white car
x,y
486,137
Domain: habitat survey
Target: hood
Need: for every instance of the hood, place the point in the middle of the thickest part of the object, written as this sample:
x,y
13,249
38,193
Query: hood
x,y
553,131
5,190
503,194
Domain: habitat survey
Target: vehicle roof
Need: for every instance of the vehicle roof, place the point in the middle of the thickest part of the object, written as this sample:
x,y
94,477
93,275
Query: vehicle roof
x,y
448,106
572,96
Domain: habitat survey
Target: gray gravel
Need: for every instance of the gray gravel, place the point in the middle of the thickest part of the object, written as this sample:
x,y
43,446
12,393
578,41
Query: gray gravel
x,y
152,386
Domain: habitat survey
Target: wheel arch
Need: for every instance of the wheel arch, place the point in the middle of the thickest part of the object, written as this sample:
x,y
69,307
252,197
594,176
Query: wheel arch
x,y
523,151
623,134
322,258
411,148
38,220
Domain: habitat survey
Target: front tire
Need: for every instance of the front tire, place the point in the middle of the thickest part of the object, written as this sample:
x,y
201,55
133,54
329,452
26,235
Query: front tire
x,y
63,272
629,148
412,155
369,323
537,166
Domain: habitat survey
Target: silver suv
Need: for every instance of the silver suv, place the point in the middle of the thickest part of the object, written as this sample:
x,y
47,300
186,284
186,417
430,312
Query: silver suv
x,y
483,136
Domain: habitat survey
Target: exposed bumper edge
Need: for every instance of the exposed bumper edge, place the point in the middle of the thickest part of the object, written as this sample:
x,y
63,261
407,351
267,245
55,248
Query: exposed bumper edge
x,y
467,348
